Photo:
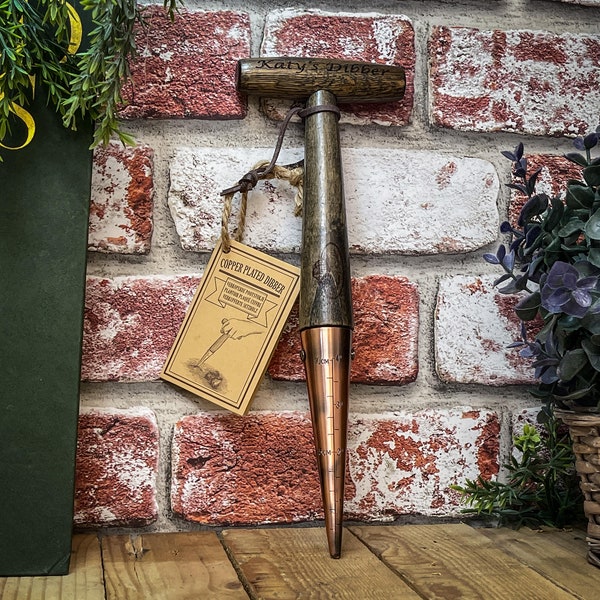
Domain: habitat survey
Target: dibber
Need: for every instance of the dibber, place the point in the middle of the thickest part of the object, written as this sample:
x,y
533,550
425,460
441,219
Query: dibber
x,y
325,316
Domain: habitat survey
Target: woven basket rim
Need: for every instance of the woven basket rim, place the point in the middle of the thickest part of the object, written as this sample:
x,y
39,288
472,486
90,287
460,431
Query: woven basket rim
x,y
571,417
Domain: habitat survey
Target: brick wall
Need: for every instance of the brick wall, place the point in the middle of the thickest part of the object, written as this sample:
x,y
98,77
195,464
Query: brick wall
x,y
435,391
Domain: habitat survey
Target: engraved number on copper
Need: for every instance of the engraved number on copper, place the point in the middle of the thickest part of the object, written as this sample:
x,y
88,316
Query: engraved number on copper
x,y
330,452
328,360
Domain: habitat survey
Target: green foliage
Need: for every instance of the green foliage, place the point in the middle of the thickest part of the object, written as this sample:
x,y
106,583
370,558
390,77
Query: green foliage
x,y
542,485
86,83
553,260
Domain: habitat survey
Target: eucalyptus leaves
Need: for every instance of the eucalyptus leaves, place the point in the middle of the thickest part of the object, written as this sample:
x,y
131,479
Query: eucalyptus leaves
x,y
41,51
554,259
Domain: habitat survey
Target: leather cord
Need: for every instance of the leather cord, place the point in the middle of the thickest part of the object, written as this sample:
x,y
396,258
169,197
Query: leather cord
x,y
250,179
292,173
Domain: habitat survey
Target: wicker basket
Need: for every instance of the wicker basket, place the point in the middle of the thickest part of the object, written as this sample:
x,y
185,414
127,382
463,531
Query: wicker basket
x,y
585,433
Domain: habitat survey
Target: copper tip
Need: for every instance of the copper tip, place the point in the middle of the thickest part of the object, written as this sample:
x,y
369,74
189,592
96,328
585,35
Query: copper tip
x,y
327,363
334,539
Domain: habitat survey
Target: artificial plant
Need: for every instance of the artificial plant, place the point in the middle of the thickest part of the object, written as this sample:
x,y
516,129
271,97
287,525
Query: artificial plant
x,y
540,486
41,51
553,260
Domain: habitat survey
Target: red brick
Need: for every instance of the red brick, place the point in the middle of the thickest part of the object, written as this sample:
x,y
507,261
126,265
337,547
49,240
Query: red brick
x,y
121,200
186,68
130,324
261,468
384,39
527,81
556,171
234,470
117,464
386,315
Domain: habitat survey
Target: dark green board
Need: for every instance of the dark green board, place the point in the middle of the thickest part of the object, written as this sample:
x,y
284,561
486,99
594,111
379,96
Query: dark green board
x,y
44,205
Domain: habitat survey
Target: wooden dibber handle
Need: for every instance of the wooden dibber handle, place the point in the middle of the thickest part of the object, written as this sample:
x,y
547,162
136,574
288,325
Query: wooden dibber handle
x,y
298,78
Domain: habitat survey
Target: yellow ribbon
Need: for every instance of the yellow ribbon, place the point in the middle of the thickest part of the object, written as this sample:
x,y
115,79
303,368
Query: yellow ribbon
x,y
76,31
26,117
75,38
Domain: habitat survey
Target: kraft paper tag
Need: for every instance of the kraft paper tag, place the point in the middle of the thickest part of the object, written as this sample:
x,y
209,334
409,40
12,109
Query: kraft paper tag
x,y
232,327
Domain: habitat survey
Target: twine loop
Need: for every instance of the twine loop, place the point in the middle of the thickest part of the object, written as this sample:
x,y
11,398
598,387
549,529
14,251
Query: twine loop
x,y
265,170
294,174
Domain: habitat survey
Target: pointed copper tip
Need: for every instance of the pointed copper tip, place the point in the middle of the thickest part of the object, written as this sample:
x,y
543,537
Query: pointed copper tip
x,y
334,540
327,362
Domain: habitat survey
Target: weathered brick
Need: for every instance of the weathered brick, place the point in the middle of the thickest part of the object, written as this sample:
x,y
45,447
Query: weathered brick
x,y
402,463
552,180
390,195
529,416
474,324
261,468
526,416
121,200
386,330
130,324
186,68
117,464
231,470
197,177
527,81
378,38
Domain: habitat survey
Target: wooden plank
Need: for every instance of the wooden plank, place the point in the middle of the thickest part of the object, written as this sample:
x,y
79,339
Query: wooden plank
x,y
84,581
295,563
169,566
455,561
560,556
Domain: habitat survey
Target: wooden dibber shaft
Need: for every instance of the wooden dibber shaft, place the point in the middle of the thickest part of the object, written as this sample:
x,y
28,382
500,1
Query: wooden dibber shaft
x,y
325,299
325,315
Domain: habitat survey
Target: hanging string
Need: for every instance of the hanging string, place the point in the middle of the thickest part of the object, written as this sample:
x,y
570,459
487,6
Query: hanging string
x,y
294,174
266,170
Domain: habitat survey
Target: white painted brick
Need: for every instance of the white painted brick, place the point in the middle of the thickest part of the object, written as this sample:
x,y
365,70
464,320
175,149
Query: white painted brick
x,y
582,2
526,416
474,324
121,209
397,202
405,463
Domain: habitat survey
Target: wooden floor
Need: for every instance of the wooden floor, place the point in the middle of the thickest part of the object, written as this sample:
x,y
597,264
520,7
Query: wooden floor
x,y
384,562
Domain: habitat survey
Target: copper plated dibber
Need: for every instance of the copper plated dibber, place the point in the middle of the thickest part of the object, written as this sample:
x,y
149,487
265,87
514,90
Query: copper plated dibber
x,y
325,315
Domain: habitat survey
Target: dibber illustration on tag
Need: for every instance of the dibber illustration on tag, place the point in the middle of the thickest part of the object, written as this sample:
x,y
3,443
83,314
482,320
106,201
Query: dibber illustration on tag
x,y
235,329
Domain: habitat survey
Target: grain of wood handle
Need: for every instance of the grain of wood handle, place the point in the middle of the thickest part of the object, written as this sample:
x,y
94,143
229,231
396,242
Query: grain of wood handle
x,y
298,78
